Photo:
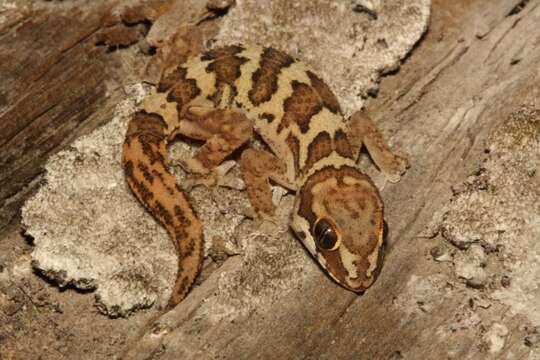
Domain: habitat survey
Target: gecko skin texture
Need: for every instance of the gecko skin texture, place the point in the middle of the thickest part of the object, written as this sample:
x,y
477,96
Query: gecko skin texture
x,y
221,97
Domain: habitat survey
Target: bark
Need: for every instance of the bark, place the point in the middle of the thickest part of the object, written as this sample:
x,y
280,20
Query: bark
x,y
461,271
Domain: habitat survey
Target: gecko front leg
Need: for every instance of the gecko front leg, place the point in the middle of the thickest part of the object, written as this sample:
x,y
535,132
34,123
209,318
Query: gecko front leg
x,y
258,168
362,131
223,131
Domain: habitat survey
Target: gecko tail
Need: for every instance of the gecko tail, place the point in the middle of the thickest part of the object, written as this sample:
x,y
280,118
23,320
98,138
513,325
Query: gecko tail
x,y
144,161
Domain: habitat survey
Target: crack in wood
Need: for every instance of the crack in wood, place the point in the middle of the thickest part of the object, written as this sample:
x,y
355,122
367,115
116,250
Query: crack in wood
x,y
423,87
500,39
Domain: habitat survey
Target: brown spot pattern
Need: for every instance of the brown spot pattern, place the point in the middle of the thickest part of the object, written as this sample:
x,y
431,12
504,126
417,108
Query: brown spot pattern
x,y
265,78
162,213
268,117
342,145
169,80
180,234
181,216
182,92
319,148
300,107
327,96
142,192
227,70
150,150
128,169
146,172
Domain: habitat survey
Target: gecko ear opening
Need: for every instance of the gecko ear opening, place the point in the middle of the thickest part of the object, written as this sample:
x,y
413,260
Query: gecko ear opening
x,y
326,236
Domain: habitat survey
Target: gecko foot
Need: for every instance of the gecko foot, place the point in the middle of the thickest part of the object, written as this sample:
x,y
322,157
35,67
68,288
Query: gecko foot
x,y
219,176
399,166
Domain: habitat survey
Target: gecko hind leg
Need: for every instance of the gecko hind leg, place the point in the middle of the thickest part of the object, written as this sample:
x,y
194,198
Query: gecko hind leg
x,y
223,131
362,131
258,168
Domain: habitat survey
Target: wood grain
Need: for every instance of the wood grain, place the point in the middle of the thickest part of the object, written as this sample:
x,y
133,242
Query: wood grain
x,y
476,64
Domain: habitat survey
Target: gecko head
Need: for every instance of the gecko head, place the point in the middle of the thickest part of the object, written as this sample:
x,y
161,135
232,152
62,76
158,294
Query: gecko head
x,y
338,216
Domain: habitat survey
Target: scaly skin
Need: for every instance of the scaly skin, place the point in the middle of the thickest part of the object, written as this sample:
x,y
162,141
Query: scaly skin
x,y
222,96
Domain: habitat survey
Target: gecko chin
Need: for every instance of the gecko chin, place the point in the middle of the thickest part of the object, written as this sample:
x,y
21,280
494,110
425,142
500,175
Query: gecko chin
x,y
341,218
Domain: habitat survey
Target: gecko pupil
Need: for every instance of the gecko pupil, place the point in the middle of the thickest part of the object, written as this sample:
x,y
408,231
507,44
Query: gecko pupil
x,y
325,235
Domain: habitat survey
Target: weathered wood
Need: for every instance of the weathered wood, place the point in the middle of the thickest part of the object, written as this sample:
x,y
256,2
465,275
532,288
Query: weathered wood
x,y
61,77
477,65
464,79
52,81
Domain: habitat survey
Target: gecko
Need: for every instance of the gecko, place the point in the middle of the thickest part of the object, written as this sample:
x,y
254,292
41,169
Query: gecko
x,y
222,97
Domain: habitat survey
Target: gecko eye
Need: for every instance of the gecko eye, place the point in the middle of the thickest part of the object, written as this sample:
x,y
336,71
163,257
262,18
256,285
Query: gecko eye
x,y
325,235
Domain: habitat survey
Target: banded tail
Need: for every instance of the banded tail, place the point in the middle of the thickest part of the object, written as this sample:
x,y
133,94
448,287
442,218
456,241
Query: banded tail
x,y
144,162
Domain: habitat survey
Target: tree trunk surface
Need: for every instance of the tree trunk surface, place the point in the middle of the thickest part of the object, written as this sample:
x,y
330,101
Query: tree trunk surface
x,y
460,278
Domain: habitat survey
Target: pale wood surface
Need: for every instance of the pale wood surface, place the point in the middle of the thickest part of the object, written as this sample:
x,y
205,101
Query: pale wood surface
x,y
475,66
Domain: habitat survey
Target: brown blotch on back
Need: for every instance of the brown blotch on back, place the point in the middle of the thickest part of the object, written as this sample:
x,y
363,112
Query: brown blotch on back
x,y
227,70
300,107
342,145
182,92
151,149
265,78
294,146
319,148
170,79
327,96
268,117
